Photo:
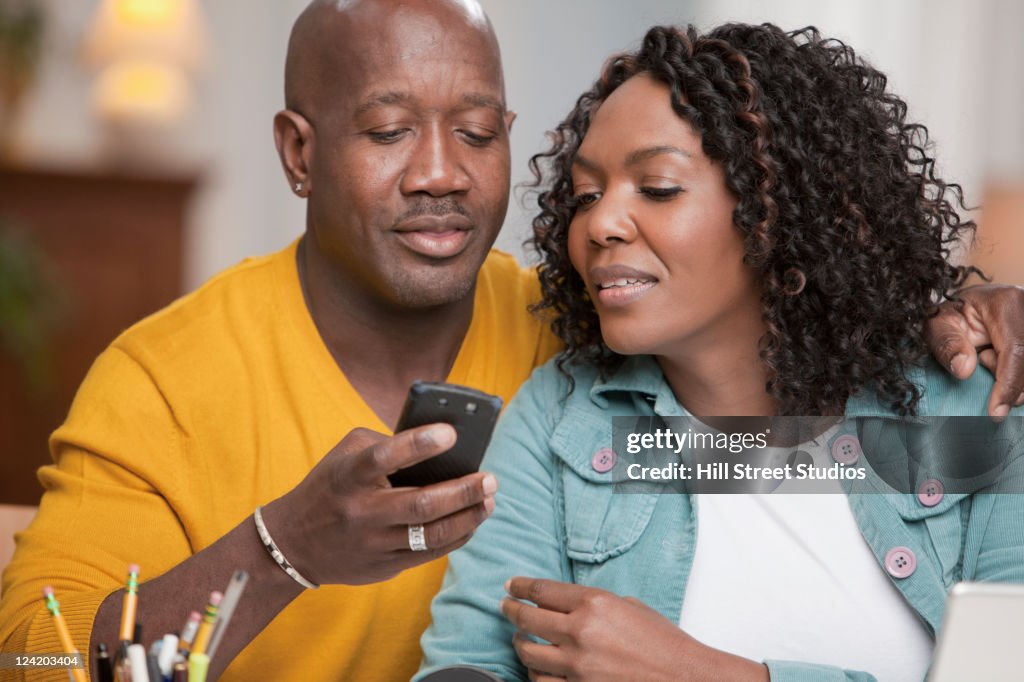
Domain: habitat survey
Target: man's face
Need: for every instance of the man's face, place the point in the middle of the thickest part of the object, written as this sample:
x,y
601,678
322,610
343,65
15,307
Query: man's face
x,y
411,159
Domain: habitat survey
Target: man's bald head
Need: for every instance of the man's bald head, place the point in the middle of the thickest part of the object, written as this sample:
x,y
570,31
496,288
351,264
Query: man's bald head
x,y
333,38
397,133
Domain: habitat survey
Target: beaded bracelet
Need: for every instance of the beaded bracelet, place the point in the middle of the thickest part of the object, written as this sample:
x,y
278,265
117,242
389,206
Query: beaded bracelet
x,y
276,554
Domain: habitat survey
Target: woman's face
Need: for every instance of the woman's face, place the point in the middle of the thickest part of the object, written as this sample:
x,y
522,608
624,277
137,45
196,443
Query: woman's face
x,y
653,237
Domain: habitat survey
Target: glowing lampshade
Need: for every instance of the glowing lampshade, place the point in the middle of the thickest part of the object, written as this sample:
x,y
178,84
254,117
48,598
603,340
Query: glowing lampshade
x,y
145,51
142,90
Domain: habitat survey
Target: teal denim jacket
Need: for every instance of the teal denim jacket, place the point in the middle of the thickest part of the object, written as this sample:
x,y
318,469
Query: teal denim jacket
x,y
557,517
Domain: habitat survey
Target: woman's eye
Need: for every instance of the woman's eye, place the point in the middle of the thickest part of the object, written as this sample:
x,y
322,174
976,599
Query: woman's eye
x,y
387,136
661,193
585,199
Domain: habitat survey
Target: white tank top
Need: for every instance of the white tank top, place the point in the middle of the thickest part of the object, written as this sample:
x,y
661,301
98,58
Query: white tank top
x,y
789,576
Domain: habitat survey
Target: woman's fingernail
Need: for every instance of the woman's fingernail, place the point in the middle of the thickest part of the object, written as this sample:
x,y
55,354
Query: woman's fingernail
x,y
957,363
489,505
490,484
508,585
1001,411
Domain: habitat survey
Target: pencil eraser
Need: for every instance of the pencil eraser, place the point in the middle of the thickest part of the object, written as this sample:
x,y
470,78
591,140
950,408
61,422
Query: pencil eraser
x,y
133,568
47,591
215,597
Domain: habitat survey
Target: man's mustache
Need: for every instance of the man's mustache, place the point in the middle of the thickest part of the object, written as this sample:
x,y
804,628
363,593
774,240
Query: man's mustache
x,y
438,207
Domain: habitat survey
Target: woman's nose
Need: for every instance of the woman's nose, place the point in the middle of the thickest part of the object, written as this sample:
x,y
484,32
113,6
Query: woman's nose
x,y
609,221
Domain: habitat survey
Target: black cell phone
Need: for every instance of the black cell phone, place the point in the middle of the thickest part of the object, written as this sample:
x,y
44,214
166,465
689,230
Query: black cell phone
x,y
473,413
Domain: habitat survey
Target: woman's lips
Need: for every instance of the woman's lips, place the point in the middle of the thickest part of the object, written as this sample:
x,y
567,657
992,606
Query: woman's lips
x,y
618,296
620,285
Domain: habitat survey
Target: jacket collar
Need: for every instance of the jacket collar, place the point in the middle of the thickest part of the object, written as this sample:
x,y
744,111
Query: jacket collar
x,y
640,376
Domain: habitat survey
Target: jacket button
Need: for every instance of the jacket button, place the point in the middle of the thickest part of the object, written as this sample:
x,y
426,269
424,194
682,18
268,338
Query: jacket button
x,y
900,562
930,492
603,460
846,449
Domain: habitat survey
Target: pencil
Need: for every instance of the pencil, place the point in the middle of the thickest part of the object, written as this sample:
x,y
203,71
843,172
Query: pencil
x,y
188,633
232,595
206,627
131,602
62,631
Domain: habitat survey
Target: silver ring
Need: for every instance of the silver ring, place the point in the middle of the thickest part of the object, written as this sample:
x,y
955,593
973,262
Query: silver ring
x,y
417,538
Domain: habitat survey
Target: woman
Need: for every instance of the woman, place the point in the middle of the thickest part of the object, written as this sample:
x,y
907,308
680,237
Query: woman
x,y
737,223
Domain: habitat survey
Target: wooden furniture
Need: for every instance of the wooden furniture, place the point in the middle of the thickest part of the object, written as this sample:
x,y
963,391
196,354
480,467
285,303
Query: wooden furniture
x,y
116,243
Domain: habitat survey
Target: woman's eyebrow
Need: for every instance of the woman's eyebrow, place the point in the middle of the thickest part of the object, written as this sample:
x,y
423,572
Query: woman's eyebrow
x,y
634,157
583,162
639,155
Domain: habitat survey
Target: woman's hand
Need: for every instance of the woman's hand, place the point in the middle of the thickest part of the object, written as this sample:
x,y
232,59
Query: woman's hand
x,y
595,635
987,325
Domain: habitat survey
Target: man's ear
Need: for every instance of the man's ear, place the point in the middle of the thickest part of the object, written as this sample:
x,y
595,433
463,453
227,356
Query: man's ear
x,y
293,136
510,117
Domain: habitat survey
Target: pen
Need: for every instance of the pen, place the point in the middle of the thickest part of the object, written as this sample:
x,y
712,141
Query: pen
x,y
153,662
104,670
122,664
131,601
188,633
166,656
227,609
137,658
206,627
180,672
62,631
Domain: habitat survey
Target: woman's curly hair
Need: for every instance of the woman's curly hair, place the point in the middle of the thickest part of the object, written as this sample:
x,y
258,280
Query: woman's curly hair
x,y
842,214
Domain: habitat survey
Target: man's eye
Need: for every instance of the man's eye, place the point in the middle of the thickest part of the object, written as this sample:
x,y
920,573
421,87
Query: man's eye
x,y
387,136
660,193
476,139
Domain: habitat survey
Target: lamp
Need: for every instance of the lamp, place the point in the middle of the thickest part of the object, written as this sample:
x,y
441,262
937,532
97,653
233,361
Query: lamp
x,y
146,52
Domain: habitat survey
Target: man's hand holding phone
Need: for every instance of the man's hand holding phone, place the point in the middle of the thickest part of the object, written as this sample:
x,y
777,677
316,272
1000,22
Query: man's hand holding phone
x,y
345,524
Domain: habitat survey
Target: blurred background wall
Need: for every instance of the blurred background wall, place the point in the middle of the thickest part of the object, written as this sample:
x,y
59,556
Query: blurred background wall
x,y
206,190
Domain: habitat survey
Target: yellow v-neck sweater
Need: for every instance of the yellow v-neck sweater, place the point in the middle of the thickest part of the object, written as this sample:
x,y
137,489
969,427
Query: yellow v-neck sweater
x,y
219,403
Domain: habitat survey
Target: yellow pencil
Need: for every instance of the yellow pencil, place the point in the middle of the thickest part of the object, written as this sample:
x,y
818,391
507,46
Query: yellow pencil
x,y
206,627
62,631
131,602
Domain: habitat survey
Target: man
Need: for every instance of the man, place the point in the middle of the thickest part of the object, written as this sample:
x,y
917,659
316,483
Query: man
x,y
396,132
